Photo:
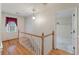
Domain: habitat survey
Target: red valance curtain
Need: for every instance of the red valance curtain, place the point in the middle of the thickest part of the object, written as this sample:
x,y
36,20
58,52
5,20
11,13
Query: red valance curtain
x,y
10,19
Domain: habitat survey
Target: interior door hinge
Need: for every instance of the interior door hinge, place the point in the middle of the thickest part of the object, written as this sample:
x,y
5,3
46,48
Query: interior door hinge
x,y
73,14
73,47
73,31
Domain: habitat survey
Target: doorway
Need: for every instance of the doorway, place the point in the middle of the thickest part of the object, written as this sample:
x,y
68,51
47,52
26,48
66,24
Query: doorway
x,y
64,30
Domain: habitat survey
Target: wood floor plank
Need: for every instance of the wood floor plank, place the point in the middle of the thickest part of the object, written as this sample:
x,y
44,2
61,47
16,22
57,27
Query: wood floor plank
x,y
13,47
58,52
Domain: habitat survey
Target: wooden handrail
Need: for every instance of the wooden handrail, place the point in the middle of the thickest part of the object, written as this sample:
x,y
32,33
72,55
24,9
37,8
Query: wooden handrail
x,y
31,34
49,34
38,35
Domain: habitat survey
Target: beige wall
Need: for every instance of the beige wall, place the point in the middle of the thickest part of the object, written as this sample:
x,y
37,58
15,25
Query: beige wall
x,y
5,34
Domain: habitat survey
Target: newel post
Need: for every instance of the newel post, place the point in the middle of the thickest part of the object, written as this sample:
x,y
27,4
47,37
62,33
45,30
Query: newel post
x,y
18,34
42,47
53,40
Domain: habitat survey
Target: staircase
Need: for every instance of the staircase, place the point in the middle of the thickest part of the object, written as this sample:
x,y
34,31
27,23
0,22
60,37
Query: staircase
x,y
25,41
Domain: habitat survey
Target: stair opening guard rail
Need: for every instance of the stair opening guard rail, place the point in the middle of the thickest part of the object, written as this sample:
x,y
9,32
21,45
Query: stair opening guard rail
x,y
42,37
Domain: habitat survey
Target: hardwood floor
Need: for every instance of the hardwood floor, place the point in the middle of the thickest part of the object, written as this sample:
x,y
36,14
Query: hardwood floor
x,y
13,47
58,52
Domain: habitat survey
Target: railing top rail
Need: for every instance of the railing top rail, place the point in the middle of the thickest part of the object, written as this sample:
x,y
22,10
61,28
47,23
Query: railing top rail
x,y
38,35
31,34
49,34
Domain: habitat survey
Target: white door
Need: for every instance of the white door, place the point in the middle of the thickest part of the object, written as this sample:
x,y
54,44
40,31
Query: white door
x,y
64,31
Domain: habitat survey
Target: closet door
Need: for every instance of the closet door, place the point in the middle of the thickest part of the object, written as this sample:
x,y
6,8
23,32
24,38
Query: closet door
x,y
64,39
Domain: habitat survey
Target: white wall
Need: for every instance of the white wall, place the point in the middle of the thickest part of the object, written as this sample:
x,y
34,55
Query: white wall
x,y
43,23
5,34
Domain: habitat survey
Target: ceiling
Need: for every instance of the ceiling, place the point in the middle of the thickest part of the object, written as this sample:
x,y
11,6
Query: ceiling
x,y
25,9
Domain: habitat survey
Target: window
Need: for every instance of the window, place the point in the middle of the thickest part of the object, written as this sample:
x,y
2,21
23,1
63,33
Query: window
x,y
11,24
11,27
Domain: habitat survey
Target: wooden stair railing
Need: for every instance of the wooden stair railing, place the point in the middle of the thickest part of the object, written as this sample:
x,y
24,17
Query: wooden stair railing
x,y
43,36
33,35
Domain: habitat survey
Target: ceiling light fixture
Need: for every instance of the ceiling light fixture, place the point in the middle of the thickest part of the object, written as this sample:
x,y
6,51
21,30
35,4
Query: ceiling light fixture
x,y
33,16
